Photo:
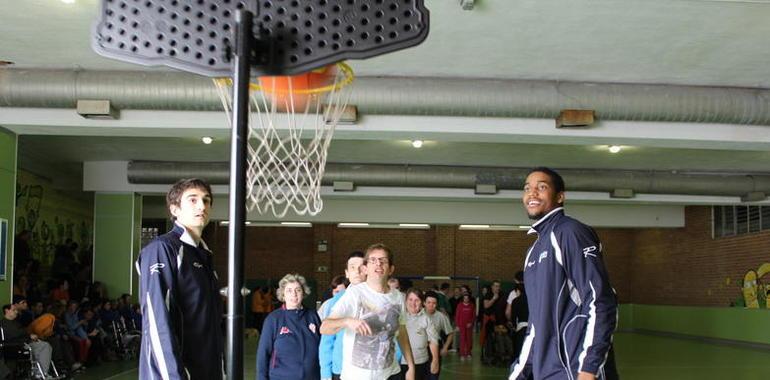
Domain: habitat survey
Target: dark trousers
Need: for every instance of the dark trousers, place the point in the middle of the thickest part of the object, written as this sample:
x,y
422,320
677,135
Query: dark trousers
x,y
420,371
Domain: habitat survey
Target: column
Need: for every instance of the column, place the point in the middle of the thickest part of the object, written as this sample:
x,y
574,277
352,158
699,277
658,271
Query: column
x,y
7,210
117,240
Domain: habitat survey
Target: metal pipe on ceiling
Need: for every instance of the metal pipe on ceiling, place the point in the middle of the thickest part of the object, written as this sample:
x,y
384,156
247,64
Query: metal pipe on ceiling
x,y
595,180
157,90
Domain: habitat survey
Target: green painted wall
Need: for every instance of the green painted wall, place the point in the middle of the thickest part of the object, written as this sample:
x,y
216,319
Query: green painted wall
x,y
732,323
53,215
7,202
117,237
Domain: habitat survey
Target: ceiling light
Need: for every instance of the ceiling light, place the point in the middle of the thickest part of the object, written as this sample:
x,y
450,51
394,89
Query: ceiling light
x,y
68,1
353,225
414,225
207,140
474,226
297,224
614,148
417,143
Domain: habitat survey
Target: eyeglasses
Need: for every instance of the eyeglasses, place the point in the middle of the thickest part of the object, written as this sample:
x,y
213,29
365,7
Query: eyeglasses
x,y
381,260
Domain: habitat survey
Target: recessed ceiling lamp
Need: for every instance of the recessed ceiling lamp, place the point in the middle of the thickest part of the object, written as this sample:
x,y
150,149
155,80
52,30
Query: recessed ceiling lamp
x,y
354,225
417,143
68,1
207,140
614,148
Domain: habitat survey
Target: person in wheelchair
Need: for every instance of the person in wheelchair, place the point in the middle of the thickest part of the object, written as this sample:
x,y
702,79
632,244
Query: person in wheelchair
x,y
14,334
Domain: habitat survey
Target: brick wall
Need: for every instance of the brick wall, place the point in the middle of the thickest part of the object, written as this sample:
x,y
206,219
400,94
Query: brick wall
x,y
681,266
686,266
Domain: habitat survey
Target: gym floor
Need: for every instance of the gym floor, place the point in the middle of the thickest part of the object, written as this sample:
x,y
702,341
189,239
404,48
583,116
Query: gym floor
x,y
638,357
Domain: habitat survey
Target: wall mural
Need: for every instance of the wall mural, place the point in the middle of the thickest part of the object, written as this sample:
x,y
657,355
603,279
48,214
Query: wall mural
x,y
52,216
756,292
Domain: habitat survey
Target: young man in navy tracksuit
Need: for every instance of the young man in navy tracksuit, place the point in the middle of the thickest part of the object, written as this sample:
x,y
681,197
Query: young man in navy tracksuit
x,y
181,307
572,307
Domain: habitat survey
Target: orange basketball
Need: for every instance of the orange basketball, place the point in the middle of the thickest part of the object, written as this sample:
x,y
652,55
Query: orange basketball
x,y
297,92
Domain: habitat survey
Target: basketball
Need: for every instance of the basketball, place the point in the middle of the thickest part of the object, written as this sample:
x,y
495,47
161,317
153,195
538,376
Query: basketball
x,y
297,92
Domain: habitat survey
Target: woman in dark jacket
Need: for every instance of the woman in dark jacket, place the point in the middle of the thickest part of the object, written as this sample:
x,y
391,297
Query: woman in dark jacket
x,y
288,346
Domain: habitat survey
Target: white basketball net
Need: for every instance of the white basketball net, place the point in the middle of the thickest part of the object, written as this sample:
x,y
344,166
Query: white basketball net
x,y
287,150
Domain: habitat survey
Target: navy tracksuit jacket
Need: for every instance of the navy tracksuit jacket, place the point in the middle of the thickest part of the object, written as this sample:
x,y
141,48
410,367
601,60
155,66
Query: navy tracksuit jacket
x,y
181,310
572,307
288,346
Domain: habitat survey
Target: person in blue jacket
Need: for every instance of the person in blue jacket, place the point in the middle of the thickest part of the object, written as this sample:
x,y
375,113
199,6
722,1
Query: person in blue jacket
x,y
178,293
572,307
330,350
288,345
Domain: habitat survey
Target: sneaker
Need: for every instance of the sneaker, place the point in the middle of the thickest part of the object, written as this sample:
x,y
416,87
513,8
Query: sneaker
x,y
77,366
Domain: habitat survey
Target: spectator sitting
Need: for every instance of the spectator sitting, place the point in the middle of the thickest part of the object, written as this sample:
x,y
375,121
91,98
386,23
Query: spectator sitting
x,y
61,292
14,333
24,317
77,332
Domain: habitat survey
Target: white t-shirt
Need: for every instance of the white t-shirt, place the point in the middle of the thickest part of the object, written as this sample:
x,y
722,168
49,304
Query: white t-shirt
x,y
370,357
441,323
512,296
421,331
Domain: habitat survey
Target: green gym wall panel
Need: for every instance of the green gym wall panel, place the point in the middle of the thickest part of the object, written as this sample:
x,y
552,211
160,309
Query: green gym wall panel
x,y
117,234
729,323
8,144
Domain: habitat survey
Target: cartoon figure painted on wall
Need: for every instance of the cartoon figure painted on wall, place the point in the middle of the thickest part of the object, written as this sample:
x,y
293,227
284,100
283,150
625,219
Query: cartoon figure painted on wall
x,y
38,209
756,293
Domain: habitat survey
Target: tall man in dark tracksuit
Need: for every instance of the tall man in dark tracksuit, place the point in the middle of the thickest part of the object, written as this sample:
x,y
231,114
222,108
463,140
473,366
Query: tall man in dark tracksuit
x,y
181,309
572,307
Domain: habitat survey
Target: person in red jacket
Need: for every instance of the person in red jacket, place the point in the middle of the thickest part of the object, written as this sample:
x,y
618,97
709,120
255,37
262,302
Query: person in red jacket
x,y
465,315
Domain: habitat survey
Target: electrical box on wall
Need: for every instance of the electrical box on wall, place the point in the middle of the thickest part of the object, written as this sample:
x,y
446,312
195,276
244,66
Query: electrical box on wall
x,y
322,269
322,246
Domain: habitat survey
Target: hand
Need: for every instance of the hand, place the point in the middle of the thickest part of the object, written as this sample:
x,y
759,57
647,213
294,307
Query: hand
x,y
359,326
434,367
444,351
586,376
469,325
410,373
33,336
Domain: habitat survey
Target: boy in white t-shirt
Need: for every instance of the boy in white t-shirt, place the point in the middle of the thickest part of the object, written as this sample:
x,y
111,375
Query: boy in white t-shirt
x,y
371,315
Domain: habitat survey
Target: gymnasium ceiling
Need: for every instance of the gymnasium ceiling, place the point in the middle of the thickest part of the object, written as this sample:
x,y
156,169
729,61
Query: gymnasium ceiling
x,y
679,42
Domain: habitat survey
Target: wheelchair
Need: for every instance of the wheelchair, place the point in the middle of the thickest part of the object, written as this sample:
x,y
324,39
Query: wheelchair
x,y
22,363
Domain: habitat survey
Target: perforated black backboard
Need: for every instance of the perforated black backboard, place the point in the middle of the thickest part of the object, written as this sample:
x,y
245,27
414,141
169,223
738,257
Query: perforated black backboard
x,y
293,36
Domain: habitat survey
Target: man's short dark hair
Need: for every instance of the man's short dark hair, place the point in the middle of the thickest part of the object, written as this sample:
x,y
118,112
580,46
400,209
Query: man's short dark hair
x,y
431,294
519,276
174,195
339,280
444,285
7,307
355,254
382,247
556,180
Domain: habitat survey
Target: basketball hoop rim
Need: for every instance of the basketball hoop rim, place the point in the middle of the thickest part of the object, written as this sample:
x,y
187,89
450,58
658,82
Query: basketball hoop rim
x,y
346,70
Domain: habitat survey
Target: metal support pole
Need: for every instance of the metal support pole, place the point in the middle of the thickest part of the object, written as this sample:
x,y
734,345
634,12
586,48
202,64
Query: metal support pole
x,y
238,145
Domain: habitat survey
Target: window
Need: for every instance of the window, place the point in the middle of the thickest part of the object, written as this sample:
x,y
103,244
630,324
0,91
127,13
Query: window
x,y
738,220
